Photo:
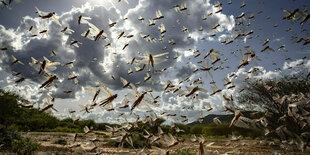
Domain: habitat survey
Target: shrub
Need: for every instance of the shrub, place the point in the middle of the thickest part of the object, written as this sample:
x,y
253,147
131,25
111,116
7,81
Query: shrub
x,y
197,129
101,126
89,123
66,129
7,135
24,146
138,140
13,141
61,141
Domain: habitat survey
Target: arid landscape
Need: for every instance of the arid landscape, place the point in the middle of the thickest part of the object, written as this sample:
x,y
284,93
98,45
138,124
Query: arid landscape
x,y
48,140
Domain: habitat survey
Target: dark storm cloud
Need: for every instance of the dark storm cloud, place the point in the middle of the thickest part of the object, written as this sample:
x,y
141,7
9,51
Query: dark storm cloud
x,y
39,47
184,71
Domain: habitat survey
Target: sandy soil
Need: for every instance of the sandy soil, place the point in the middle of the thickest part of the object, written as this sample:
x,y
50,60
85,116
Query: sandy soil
x,y
221,146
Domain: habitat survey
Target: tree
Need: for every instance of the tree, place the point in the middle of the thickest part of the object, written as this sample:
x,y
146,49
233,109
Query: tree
x,y
8,108
286,104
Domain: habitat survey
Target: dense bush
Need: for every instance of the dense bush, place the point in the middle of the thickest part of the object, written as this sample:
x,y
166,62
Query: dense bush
x,y
11,140
33,120
7,135
138,140
225,130
197,129
24,146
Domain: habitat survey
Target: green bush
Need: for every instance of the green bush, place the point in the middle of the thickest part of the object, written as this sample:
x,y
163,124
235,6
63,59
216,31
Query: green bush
x,y
66,129
223,130
12,141
219,130
197,129
24,146
89,123
7,135
61,141
251,133
24,119
101,126
139,141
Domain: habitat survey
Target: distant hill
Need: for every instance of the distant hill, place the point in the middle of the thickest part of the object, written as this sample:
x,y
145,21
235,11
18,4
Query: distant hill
x,y
209,119
226,118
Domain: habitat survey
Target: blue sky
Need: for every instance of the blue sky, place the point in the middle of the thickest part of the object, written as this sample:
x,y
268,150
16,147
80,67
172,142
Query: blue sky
x,y
114,60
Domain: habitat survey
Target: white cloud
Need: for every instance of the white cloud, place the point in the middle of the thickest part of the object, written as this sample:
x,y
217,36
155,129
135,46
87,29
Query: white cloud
x,y
293,64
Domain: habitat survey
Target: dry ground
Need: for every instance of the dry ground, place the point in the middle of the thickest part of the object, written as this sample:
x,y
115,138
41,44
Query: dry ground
x,y
221,146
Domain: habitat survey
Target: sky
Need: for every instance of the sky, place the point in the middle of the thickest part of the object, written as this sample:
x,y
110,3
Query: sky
x,y
93,60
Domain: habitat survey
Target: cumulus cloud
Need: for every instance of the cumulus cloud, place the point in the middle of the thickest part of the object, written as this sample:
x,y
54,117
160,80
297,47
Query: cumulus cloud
x,y
112,61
